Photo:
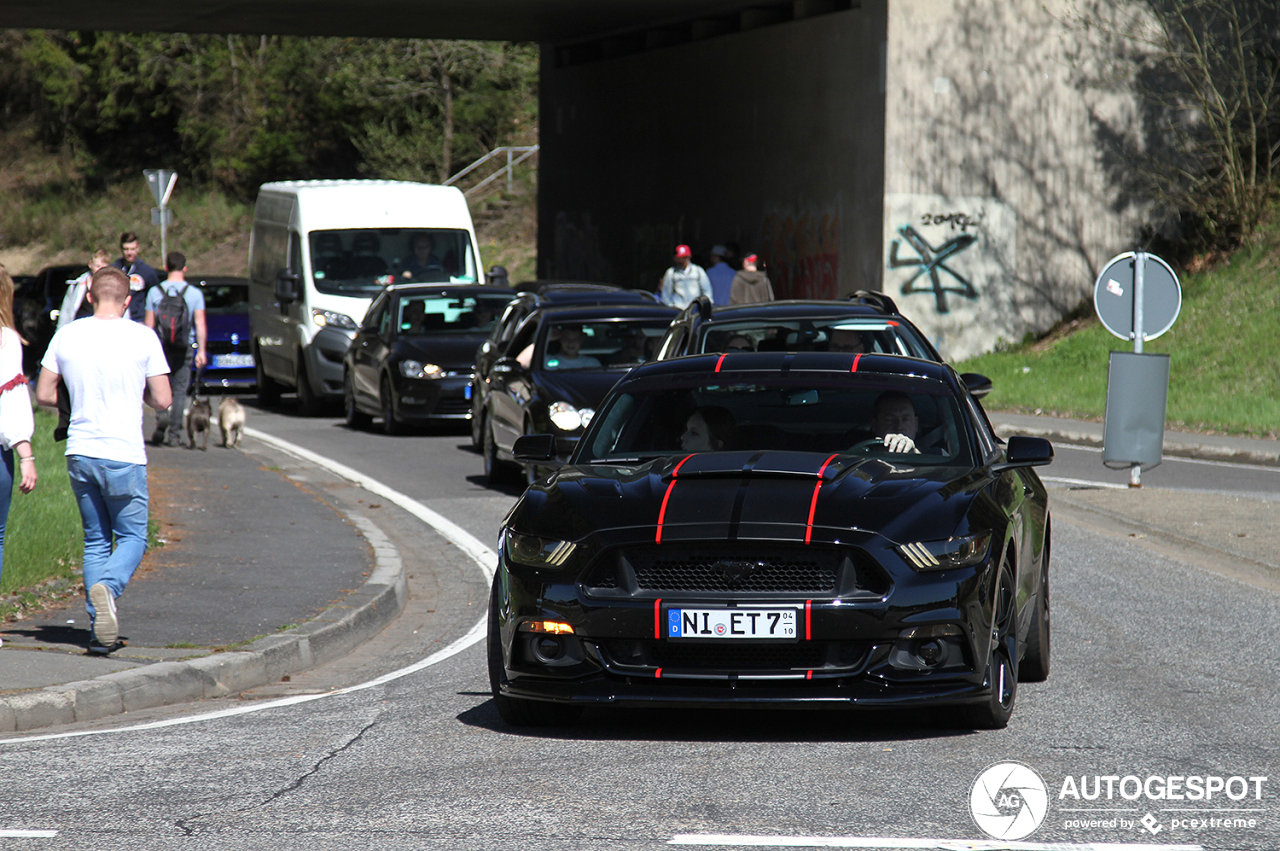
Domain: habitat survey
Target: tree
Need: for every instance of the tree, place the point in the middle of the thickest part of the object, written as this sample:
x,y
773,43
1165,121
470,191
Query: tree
x,y
1206,78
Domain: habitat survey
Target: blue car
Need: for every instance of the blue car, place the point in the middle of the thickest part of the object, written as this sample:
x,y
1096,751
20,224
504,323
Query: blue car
x,y
228,343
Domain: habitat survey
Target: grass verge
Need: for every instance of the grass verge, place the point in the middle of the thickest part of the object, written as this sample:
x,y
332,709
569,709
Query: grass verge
x,y
1224,367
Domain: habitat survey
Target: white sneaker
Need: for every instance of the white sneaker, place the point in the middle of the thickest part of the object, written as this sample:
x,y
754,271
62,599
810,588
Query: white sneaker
x,y
105,626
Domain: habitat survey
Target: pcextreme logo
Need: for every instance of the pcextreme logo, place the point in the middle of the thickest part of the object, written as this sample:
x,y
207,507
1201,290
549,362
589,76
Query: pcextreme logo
x,y
1008,801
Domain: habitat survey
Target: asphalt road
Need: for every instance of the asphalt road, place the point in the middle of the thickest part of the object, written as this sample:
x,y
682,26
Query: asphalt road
x,y
1160,670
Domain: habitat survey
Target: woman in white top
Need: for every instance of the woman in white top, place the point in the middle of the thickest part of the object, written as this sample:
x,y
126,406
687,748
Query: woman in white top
x,y
16,421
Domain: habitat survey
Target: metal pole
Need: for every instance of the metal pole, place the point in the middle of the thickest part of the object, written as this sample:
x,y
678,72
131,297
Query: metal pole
x,y
509,171
164,236
1139,261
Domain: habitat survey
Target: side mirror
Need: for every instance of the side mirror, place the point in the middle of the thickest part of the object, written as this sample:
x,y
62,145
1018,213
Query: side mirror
x,y
1027,452
504,366
535,447
978,385
286,288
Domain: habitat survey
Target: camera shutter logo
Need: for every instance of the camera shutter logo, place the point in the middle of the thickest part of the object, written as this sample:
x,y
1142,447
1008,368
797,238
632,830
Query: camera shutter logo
x,y
1008,801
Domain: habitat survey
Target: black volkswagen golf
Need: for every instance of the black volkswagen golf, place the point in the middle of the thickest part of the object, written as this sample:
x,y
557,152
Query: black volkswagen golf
x,y
776,529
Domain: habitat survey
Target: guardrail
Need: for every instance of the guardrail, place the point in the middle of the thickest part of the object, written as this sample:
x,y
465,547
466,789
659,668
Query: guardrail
x,y
515,155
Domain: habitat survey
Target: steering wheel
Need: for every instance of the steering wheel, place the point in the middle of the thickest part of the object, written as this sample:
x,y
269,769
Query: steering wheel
x,y
864,445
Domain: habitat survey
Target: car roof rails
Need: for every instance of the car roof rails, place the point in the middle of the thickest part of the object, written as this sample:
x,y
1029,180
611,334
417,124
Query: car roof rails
x,y
874,299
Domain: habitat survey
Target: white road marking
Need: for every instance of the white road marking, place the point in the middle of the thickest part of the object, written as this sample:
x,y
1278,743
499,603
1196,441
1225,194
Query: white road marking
x,y
484,557
1088,483
743,841
28,834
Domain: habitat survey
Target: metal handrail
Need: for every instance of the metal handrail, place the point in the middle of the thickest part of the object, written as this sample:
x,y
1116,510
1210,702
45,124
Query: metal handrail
x,y
525,152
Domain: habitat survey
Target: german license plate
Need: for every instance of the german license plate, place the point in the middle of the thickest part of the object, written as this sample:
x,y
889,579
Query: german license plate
x,y
230,361
742,623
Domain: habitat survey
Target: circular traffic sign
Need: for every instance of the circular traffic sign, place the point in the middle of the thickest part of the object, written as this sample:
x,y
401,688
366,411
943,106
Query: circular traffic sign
x,y
1113,296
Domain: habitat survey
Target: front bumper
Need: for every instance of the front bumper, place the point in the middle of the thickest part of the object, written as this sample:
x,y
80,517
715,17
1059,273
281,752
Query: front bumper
x,y
857,648
435,399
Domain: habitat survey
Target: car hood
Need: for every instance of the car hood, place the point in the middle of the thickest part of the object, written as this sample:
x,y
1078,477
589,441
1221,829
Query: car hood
x,y
448,352
580,388
749,495
224,326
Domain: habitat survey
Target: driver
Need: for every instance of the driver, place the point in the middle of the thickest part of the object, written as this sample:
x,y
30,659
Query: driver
x,y
423,265
893,420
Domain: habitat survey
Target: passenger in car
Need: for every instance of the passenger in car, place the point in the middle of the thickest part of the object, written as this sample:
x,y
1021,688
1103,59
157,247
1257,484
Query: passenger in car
x,y
845,340
739,343
709,429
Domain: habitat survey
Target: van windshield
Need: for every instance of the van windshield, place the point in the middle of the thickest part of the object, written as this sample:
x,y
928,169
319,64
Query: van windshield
x,y
362,261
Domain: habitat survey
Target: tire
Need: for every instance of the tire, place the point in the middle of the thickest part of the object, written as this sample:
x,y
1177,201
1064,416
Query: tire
x,y
308,403
356,418
268,389
477,422
516,711
1034,667
1002,662
496,471
390,425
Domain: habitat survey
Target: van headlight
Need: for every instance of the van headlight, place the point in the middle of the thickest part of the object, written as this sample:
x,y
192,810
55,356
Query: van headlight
x,y
417,369
332,319
568,418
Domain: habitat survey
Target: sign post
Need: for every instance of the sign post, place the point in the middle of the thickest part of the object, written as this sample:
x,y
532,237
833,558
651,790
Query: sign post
x,y
161,181
1136,291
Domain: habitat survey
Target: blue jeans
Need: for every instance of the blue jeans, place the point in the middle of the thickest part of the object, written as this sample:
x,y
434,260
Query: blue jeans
x,y
6,494
113,504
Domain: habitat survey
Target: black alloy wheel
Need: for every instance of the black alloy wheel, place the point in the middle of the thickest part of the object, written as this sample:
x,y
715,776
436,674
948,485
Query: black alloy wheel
x,y
356,418
1034,667
390,425
517,711
1002,661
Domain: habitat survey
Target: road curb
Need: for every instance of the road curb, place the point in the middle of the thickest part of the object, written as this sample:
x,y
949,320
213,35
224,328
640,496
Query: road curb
x,y
1173,447
331,635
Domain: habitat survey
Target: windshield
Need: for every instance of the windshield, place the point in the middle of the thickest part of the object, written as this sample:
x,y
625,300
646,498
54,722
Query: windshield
x,y
447,314
601,345
225,298
814,335
362,261
801,413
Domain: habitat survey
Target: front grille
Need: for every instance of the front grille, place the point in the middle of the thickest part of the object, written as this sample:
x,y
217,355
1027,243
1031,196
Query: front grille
x,y
725,658
737,568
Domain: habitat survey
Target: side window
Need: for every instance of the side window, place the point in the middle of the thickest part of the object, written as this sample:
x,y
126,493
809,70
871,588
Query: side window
x,y
372,319
510,321
521,347
982,428
672,344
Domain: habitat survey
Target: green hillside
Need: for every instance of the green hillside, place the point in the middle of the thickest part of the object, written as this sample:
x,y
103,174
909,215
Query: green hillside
x,y
1224,354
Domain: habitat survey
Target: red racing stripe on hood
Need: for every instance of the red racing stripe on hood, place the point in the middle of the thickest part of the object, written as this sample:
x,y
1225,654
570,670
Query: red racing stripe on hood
x,y
662,513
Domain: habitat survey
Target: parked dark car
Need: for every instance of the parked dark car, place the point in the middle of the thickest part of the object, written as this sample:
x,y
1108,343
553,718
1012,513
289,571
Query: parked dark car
x,y
534,295
228,341
37,323
733,530
557,368
411,361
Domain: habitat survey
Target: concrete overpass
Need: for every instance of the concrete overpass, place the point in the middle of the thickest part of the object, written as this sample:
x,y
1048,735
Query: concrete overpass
x,y
944,151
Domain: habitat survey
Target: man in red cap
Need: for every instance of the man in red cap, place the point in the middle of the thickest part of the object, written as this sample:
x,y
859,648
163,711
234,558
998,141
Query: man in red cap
x,y
685,280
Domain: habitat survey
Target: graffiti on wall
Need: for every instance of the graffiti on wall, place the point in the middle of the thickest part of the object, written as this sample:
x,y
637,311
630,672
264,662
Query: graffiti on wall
x,y
929,263
802,250
952,263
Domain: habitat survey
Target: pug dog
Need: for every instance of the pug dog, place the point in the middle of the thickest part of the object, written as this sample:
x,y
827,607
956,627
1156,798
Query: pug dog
x,y
198,416
231,420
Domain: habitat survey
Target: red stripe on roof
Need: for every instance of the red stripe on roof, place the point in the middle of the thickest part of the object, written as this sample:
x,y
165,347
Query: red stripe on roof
x,y
856,358
722,357
662,513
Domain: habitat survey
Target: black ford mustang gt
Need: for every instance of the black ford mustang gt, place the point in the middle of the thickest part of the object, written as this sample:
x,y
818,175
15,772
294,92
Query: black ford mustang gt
x,y
776,529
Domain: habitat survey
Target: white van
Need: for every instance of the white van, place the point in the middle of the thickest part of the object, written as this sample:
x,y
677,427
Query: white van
x,y
321,250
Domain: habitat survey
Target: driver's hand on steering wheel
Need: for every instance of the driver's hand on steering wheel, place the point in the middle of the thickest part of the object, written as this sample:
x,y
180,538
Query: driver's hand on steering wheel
x,y
900,444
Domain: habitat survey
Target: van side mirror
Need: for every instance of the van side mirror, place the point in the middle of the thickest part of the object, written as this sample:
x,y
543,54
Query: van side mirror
x,y
286,288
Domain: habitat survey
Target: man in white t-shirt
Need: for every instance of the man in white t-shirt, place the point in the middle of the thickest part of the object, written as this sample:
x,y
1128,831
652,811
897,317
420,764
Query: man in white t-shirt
x,y
110,365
